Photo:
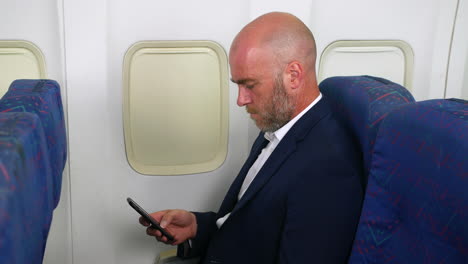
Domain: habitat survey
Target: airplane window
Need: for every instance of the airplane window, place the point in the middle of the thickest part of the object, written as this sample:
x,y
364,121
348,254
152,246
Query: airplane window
x,y
175,107
389,59
19,60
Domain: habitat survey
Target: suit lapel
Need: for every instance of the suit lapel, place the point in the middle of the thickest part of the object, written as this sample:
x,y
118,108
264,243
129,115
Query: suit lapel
x,y
274,162
231,197
286,147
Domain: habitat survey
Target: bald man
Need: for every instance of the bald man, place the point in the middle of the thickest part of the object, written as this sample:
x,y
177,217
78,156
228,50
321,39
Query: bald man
x,y
297,199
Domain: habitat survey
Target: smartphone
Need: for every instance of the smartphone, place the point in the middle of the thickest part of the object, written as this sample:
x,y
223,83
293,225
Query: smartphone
x,y
148,218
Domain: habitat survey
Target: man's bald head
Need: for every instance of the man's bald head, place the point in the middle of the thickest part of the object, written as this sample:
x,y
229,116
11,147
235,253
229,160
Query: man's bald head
x,y
282,34
272,61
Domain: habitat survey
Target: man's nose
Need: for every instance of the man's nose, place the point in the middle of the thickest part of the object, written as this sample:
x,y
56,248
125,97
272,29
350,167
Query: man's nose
x,y
244,97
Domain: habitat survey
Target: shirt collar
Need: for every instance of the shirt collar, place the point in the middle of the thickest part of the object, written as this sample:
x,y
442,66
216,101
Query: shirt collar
x,y
280,133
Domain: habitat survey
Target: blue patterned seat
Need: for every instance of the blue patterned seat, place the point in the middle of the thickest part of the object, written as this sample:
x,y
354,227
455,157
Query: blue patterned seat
x,y
362,102
32,158
26,202
416,205
42,97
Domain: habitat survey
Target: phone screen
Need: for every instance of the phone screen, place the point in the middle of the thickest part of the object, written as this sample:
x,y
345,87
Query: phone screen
x,y
148,218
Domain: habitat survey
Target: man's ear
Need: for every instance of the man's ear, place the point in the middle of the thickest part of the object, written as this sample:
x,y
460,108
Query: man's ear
x,y
294,74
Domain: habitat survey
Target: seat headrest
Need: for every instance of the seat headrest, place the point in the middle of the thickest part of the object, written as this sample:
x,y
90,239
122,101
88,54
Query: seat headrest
x,y
362,102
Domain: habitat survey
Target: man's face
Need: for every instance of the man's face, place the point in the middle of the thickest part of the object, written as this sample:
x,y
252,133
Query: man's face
x,y
262,92
273,110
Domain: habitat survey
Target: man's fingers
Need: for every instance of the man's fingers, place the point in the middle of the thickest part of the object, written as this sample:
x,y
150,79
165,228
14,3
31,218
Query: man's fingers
x,y
174,221
163,240
150,231
153,232
158,215
158,235
143,221
166,219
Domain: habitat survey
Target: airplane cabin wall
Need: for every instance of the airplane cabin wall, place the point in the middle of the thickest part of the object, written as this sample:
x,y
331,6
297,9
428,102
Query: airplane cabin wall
x,y
105,228
425,25
84,43
457,81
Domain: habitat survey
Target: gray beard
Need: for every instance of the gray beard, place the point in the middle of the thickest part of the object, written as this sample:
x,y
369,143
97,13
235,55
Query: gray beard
x,y
280,111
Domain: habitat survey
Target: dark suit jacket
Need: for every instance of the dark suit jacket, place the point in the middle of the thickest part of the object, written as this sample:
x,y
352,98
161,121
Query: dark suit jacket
x,y
302,207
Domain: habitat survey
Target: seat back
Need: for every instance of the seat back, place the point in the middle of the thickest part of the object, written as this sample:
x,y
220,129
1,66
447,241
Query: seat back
x,y
42,97
361,103
26,199
416,204
32,158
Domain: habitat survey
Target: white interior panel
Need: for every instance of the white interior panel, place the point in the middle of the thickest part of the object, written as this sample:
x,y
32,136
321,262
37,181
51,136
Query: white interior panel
x,y
101,176
426,25
392,60
19,60
464,93
175,107
457,81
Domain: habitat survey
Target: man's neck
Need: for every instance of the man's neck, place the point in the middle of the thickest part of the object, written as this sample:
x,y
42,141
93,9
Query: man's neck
x,y
305,100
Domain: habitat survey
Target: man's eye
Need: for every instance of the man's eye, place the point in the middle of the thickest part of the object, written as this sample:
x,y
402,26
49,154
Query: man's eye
x,y
250,86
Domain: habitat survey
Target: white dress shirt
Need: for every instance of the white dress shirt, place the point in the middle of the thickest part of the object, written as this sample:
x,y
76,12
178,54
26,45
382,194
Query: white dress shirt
x,y
274,138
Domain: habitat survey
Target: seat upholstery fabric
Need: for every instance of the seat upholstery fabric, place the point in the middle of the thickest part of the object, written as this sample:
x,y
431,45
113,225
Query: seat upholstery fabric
x,y
26,199
362,102
32,159
42,97
416,205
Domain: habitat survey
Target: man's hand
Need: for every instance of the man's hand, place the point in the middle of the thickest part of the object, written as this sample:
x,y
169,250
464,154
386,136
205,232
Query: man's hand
x,y
181,224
